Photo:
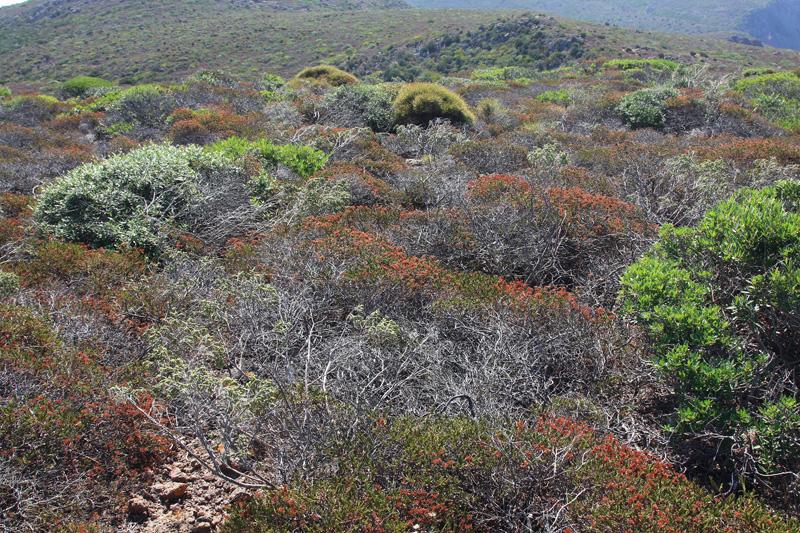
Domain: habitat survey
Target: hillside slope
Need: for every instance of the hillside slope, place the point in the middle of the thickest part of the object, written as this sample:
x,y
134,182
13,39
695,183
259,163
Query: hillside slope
x,y
775,22
52,40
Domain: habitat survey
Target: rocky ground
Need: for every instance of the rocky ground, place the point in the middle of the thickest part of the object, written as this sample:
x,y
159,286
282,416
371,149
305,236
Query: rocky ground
x,y
184,499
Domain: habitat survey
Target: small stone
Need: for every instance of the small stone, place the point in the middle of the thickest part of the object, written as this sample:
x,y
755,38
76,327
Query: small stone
x,y
171,491
138,507
202,527
176,474
239,495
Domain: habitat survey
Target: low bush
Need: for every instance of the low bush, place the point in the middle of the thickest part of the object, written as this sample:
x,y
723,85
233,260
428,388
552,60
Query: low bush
x,y
775,95
326,75
302,160
721,304
560,97
421,103
359,105
80,86
646,108
665,65
128,200
5,92
457,474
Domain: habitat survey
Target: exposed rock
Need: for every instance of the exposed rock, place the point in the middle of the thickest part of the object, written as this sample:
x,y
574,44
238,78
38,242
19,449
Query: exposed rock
x,y
138,507
171,491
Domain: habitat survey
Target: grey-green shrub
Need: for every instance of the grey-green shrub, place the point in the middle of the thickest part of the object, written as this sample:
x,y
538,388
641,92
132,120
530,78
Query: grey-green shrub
x,y
646,108
129,199
359,105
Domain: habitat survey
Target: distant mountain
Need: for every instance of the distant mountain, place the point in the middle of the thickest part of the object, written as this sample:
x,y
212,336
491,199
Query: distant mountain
x,y
775,22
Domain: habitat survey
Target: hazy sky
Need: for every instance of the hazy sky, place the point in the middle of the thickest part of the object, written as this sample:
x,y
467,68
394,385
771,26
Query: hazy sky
x,y
9,2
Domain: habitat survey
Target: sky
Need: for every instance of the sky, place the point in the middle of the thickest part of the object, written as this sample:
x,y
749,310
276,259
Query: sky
x,y
9,2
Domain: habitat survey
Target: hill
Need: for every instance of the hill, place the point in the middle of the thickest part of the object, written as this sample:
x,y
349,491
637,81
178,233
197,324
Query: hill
x,y
777,23
774,22
49,40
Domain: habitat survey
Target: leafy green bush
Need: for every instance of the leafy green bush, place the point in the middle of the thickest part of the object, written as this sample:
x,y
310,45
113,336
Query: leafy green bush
x,y
271,82
5,92
126,200
556,96
327,75
303,160
776,95
82,85
9,283
664,65
420,103
721,304
646,108
360,105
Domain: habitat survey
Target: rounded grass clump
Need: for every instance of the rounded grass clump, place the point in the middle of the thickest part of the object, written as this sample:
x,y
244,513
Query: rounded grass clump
x,y
420,103
326,75
83,85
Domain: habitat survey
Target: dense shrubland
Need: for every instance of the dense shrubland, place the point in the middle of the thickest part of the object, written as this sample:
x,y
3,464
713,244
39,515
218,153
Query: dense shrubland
x,y
517,301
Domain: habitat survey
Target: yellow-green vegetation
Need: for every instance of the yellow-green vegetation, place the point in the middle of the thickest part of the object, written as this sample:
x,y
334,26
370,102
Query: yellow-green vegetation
x,y
635,64
774,94
81,85
420,103
326,74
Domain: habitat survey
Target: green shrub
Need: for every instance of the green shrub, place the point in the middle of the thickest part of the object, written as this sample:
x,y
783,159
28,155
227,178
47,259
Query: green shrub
x,y
303,160
786,84
776,95
420,103
271,82
147,105
721,305
360,105
327,75
82,85
127,200
662,65
556,96
646,108
5,92
500,74
9,283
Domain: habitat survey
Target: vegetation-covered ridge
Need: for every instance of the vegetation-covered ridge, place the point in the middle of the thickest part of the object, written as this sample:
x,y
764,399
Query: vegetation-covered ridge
x,y
769,20
501,294
39,44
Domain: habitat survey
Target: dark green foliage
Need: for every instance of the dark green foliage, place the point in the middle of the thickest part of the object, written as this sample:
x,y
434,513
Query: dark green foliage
x,y
721,304
420,103
646,108
525,41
